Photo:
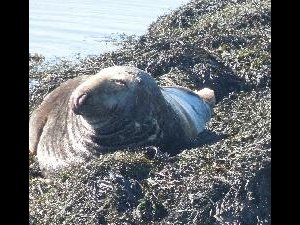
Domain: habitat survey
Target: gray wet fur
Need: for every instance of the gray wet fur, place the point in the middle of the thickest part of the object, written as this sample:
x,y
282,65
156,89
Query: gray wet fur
x,y
119,107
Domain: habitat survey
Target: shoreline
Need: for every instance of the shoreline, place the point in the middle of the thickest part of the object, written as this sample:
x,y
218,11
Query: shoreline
x,y
114,41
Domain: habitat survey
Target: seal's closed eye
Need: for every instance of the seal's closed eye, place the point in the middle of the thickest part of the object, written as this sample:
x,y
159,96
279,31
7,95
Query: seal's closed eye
x,y
119,82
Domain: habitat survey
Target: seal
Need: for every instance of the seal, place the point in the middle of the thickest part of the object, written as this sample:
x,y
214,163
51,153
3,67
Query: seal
x,y
119,107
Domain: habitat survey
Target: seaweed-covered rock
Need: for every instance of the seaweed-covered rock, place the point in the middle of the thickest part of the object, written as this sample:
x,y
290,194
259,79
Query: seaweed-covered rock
x,y
225,177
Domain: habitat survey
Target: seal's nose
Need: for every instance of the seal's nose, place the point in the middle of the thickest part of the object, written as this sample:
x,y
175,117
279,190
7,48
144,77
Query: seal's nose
x,y
77,102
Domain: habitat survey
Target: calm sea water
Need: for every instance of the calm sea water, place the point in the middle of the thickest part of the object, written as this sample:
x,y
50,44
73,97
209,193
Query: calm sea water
x,y
70,27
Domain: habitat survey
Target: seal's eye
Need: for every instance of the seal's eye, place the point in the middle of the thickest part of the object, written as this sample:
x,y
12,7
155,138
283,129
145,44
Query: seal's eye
x,y
119,82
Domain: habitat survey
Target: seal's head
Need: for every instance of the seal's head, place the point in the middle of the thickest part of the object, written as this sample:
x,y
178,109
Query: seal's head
x,y
117,89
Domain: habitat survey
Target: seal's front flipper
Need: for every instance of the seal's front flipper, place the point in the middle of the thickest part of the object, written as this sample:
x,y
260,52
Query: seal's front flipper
x,y
208,96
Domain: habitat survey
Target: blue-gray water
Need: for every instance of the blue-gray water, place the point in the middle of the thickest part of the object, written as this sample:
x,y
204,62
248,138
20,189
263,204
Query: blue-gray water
x,y
69,27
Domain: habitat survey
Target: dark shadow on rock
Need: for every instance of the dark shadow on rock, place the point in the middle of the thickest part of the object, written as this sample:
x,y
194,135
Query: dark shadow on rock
x,y
209,137
258,206
205,137
254,198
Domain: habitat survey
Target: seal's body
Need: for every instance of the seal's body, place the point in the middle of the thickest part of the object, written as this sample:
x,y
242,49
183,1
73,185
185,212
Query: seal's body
x,y
193,111
117,108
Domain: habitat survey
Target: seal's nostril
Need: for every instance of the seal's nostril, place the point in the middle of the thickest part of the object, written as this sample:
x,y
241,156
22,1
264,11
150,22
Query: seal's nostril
x,y
77,102
80,100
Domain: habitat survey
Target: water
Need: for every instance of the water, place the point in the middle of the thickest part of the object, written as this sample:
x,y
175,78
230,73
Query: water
x,y
70,27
